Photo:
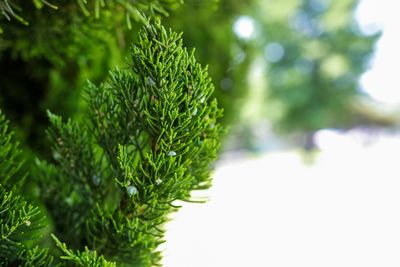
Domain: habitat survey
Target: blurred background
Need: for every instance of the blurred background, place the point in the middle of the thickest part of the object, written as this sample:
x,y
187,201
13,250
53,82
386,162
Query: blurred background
x,y
307,174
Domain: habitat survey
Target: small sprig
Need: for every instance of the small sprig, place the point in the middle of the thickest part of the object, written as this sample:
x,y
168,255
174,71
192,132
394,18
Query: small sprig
x,y
82,258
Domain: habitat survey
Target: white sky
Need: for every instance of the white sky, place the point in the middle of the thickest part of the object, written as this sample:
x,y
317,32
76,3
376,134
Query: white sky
x,y
382,82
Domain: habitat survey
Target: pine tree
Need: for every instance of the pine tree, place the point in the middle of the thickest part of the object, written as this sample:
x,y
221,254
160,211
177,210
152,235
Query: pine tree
x,y
149,138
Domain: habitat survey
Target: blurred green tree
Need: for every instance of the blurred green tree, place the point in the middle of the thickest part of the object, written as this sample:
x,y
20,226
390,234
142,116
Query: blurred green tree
x,y
314,54
208,27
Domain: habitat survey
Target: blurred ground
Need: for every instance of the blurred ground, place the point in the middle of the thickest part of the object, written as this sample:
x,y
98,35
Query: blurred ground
x,y
275,210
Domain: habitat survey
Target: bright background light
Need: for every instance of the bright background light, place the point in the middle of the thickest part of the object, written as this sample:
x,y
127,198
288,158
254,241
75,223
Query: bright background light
x,y
382,82
244,27
278,211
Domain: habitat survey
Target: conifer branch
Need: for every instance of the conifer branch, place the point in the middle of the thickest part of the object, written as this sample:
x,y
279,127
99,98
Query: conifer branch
x,y
133,9
10,154
150,138
19,221
81,259
18,224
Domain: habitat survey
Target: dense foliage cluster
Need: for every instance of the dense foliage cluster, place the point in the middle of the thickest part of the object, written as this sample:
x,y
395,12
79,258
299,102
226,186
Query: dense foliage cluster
x,y
53,47
150,137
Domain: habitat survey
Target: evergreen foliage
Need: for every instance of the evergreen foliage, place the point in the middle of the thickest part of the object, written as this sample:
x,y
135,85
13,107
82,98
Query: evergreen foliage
x,y
18,224
11,9
82,259
18,219
149,138
10,155
58,50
